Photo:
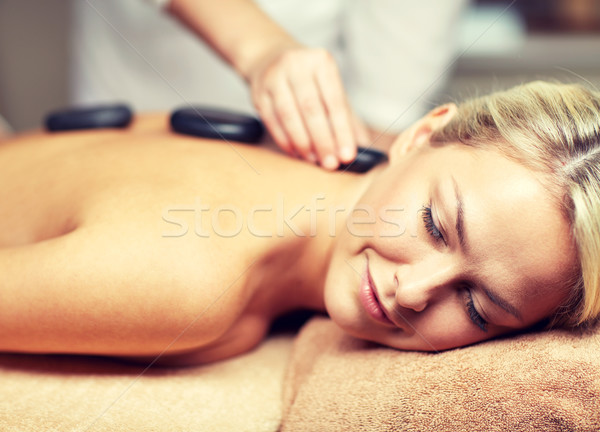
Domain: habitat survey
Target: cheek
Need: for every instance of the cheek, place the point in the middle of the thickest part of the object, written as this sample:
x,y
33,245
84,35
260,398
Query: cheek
x,y
341,285
439,328
390,227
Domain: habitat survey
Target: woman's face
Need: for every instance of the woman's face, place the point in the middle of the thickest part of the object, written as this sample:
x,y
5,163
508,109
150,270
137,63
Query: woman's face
x,y
449,246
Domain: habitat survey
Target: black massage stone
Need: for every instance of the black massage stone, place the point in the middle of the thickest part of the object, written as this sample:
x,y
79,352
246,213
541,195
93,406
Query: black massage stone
x,y
197,121
102,116
366,159
217,124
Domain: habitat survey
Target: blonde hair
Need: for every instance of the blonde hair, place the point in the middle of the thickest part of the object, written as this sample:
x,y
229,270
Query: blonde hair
x,y
553,129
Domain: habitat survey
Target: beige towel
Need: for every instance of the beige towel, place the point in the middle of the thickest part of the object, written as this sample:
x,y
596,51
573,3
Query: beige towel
x,y
67,394
537,382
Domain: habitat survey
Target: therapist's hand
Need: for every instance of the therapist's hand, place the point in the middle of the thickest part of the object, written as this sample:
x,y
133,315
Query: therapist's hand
x,y
300,97
297,90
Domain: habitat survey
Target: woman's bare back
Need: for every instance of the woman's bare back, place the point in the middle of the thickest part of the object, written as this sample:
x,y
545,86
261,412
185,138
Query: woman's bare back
x,y
139,242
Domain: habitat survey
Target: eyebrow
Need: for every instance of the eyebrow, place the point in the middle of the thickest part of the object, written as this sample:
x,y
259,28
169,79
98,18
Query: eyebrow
x,y
462,239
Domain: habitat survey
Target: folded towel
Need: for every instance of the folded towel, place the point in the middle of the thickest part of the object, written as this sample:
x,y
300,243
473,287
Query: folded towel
x,y
69,393
547,381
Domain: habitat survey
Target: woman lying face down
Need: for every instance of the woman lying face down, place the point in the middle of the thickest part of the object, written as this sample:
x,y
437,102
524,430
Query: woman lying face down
x,y
145,244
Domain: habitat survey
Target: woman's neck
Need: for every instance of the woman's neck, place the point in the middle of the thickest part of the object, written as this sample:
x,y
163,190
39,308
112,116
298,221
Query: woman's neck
x,y
296,267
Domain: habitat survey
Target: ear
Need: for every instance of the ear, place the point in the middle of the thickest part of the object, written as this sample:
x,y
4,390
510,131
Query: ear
x,y
419,133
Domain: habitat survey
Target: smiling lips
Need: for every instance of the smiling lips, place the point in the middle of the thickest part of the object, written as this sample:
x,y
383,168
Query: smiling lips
x,y
368,298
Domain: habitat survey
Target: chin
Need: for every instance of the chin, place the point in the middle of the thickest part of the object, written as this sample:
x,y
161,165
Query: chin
x,y
341,300
344,310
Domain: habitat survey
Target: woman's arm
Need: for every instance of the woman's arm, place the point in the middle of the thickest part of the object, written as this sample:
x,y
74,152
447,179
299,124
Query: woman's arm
x,y
104,289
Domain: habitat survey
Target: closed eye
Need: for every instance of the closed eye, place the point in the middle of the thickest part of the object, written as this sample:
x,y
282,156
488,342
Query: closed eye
x,y
430,226
474,315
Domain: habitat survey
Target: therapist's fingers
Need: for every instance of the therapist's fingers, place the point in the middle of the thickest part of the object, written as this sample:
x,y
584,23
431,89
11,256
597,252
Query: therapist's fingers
x,y
277,107
291,118
269,117
315,118
307,104
338,110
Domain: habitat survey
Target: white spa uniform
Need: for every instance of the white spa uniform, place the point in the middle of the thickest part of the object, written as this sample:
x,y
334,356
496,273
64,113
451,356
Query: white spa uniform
x,y
394,55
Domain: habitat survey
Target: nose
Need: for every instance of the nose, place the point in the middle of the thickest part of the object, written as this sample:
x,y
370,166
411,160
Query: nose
x,y
418,284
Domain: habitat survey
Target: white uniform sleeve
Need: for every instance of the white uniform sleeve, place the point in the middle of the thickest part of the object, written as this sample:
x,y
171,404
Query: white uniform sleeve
x,y
398,54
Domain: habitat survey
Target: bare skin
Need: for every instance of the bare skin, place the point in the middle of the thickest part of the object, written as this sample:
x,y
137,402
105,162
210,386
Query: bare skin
x,y
94,262
145,244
